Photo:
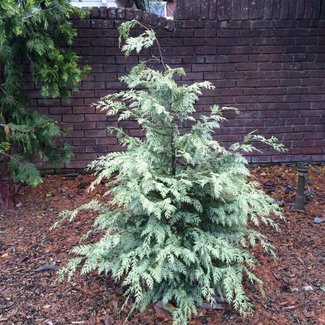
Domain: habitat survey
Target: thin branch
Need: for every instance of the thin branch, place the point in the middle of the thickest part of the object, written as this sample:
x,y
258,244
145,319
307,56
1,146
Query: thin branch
x,y
39,11
158,45
12,157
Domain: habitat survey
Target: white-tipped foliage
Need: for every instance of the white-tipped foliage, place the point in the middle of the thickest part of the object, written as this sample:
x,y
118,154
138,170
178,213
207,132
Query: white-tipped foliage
x,y
177,228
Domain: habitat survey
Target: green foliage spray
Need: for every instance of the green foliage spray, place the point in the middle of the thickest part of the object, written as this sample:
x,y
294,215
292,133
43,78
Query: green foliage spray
x,y
177,228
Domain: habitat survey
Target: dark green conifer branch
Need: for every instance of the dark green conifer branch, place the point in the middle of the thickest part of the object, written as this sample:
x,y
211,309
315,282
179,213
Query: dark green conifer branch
x,y
34,33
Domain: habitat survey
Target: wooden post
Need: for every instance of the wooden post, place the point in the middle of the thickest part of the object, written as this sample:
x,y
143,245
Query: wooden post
x,y
300,196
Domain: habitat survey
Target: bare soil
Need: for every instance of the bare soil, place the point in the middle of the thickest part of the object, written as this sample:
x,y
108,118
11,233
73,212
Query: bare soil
x,y
294,283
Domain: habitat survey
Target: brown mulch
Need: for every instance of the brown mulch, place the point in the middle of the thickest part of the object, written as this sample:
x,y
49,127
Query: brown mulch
x,y
294,284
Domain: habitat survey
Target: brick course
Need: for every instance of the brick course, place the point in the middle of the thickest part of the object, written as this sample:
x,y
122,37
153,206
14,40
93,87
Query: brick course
x,y
266,57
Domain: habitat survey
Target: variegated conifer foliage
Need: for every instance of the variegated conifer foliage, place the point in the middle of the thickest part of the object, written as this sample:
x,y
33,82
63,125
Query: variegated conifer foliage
x,y
178,226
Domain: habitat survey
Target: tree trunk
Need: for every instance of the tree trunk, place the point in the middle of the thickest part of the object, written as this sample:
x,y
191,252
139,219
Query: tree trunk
x,y
7,190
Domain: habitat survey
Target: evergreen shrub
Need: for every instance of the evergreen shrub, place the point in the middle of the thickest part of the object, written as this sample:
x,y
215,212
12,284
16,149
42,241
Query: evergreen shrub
x,y
179,225
35,37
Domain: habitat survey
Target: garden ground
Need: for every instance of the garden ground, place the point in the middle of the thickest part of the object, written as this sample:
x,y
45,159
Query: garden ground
x,y
29,254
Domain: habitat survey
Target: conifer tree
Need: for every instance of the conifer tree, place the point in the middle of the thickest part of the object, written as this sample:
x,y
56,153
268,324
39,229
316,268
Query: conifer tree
x,y
32,33
178,226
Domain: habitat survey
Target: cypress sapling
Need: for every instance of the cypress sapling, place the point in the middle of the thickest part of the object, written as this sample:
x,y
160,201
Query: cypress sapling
x,y
178,228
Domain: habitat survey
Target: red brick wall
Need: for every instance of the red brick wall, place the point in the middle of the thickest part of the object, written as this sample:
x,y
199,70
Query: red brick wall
x,y
266,57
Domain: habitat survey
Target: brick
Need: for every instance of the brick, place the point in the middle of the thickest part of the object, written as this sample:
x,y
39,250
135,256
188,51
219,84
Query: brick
x,y
269,66
316,90
215,76
192,42
276,10
322,13
92,85
284,13
291,66
130,59
290,82
311,113
108,141
244,9
57,118
86,33
285,23
84,126
74,133
281,158
271,49
228,33
204,33
86,156
311,97
252,9
318,158
304,128
84,94
48,102
87,102
224,83
235,11
247,66
247,83
84,23
192,24
59,110
95,13
234,75
115,147
224,9
194,76
102,24
302,143
295,90
73,118
101,125
96,149
300,10
315,136
268,9
95,133
202,67
76,164
84,142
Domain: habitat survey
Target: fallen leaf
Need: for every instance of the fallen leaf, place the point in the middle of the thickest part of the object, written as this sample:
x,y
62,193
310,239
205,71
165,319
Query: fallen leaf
x,y
283,303
280,203
319,220
47,267
291,307
307,288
